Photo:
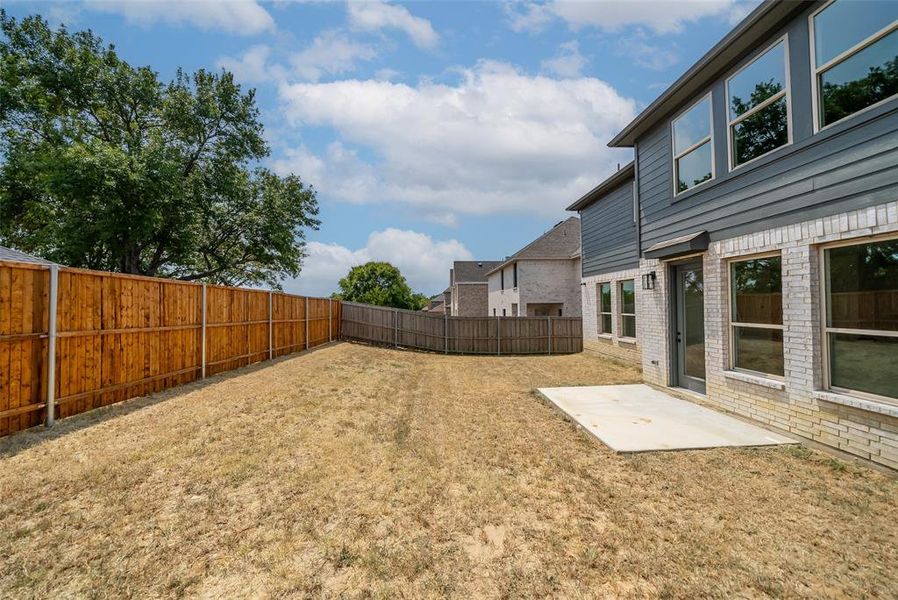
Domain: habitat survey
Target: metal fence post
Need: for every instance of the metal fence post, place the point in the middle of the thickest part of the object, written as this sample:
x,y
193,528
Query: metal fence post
x,y
307,322
203,335
270,329
330,320
396,327
52,299
446,331
550,334
498,336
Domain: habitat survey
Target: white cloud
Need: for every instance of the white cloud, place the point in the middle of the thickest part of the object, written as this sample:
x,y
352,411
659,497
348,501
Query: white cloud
x,y
330,53
498,141
640,51
662,16
243,17
423,261
253,66
376,15
568,62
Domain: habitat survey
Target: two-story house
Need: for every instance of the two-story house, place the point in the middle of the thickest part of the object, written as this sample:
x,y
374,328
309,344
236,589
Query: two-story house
x,y
766,191
467,293
542,279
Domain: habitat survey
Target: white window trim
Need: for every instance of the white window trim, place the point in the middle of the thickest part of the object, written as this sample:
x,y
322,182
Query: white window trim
x,y
785,93
620,308
695,146
600,312
826,330
734,324
844,55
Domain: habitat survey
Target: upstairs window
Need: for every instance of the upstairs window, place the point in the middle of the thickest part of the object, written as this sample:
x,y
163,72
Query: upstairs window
x,y
693,159
514,274
758,108
855,57
502,279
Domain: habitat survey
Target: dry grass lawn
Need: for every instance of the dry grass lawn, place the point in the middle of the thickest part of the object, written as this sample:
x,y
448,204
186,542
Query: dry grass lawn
x,y
363,472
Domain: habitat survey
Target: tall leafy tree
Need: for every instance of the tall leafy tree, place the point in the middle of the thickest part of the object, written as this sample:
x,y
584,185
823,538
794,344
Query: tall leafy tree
x,y
380,284
106,167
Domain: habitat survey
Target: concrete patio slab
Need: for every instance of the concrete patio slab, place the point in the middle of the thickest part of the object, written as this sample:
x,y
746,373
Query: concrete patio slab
x,y
639,418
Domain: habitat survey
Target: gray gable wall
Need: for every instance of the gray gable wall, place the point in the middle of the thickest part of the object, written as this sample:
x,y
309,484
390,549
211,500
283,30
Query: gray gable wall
x,y
609,233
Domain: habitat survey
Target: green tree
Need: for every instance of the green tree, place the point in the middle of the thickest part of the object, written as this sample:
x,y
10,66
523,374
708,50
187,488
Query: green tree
x,y
380,284
763,131
105,167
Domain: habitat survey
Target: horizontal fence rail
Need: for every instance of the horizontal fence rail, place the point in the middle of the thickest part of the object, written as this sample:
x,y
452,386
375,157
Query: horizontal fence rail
x,y
461,335
119,336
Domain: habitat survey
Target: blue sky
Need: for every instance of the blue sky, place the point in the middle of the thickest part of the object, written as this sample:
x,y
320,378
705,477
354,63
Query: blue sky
x,y
433,131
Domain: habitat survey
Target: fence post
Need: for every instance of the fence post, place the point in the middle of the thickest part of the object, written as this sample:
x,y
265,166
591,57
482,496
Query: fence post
x,y
330,320
52,300
203,335
550,334
395,328
498,336
307,322
446,331
270,329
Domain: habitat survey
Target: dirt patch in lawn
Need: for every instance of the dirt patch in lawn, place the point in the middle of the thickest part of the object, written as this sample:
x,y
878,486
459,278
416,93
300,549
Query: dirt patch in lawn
x,y
364,472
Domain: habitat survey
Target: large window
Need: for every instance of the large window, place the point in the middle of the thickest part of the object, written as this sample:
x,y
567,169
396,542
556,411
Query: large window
x,y
862,317
757,315
627,298
693,159
604,293
758,107
855,57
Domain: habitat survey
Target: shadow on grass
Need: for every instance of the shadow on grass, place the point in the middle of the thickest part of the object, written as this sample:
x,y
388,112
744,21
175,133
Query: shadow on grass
x,y
28,438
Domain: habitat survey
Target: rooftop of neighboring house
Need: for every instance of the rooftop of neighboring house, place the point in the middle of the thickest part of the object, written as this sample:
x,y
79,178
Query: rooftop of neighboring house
x,y
16,256
562,241
472,271
621,176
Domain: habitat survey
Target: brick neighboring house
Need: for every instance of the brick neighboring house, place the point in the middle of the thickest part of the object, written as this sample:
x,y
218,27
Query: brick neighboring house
x,y
542,279
468,287
766,245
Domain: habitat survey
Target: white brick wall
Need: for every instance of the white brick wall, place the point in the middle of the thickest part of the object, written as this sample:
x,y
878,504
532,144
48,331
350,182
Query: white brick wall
x,y
609,345
798,404
539,282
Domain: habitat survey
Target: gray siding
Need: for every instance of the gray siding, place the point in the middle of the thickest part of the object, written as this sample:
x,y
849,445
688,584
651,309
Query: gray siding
x,y
851,165
608,233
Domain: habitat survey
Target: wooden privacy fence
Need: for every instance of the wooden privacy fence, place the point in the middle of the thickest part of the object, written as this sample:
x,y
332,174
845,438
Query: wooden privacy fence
x,y
462,335
118,336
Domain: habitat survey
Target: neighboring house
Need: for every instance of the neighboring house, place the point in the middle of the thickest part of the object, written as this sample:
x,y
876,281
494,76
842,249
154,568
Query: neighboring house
x,y
766,184
16,256
542,279
468,288
610,267
436,305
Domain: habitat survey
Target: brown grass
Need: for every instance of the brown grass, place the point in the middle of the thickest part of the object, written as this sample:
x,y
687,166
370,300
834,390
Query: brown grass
x,y
367,472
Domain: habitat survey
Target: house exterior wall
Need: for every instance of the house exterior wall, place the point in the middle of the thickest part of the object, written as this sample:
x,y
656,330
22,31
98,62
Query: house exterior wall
x,y
613,345
470,300
608,233
550,282
799,403
846,166
499,298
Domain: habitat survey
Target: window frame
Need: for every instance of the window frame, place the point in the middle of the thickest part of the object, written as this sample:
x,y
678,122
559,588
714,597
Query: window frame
x,y
826,329
602,313
709,139
733,324
514,275
816,69
502,279
620,308
785,93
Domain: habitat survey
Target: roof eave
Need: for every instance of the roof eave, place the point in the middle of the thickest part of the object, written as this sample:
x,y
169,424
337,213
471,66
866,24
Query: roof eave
x,y
620,177
763,17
